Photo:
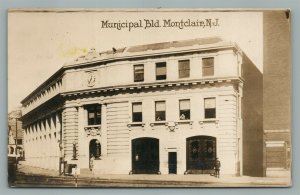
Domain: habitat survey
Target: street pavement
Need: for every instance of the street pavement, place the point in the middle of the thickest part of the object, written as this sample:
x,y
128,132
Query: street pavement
x,y
37,177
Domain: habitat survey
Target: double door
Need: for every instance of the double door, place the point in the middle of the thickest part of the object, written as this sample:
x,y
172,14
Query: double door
x,y
201,154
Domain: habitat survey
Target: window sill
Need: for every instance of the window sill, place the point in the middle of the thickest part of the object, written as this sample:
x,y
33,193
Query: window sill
x,y
185,122
133,124
92,126
158,123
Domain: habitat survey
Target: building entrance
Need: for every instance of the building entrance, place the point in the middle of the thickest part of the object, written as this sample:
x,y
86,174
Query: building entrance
x,y
95,149
145,156
172,162
200,154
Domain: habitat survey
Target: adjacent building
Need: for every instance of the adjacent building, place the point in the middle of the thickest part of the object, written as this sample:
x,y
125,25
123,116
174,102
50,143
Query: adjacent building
x,y
163,108
15,134
277,94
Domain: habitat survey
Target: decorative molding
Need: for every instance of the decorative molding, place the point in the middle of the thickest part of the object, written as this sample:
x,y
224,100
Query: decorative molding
x,y
93,130
91,78
172,126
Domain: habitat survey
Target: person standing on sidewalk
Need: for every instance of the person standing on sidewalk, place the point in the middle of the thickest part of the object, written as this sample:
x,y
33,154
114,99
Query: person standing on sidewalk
x,y
217,167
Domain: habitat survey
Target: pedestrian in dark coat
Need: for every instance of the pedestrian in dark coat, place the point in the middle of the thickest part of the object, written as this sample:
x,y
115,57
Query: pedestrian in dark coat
x,y
217,167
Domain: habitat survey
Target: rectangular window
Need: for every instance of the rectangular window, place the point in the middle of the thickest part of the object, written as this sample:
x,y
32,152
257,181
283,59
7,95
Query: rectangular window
x,y
138,73
184,68
161,71
210,108
208,66
19,141
94,114
137,114
184,109
160,111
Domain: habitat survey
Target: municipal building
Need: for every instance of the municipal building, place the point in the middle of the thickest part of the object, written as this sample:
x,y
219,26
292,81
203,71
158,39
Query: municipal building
x,y
163,108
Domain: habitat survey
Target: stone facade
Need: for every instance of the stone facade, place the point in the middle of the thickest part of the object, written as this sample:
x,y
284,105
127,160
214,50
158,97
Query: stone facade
x,y
87,110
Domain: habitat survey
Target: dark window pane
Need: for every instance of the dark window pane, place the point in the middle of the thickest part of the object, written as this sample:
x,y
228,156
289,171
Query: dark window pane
x,y
161,71
160,115
19,141
195,149
138,73
184,109
210,107
209,153
137,115
185,114
94,114
208,66
184,68
210,113
160,111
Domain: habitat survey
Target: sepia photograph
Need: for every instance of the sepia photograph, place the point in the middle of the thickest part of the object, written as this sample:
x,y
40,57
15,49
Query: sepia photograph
x,y
149,98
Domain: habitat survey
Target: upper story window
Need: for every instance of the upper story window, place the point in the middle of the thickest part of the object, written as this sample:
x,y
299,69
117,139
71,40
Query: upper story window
x,y
184,110
161,71
160,111
138,73
209,108
184,68
207,66
94,114
137,114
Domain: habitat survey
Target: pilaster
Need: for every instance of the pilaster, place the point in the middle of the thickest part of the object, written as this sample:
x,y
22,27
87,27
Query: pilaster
x,y
70,131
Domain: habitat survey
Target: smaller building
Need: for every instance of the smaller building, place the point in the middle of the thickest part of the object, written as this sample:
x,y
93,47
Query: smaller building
x,y
15,134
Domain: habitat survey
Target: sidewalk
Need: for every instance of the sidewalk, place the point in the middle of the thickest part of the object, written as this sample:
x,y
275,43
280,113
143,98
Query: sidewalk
x,y
223,181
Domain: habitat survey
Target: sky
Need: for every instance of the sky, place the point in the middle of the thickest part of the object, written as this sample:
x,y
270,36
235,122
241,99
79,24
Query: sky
x,y
39,43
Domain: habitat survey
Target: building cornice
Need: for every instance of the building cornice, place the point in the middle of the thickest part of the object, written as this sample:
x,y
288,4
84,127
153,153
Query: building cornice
x,y
134,87
151,54
153,85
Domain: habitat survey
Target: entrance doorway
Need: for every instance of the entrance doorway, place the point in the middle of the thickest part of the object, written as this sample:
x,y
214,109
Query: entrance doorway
x,y
145,156
201,154
172,162
95,149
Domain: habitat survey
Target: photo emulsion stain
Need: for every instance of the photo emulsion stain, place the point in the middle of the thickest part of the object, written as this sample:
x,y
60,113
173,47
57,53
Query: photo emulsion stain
x,y
160,99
